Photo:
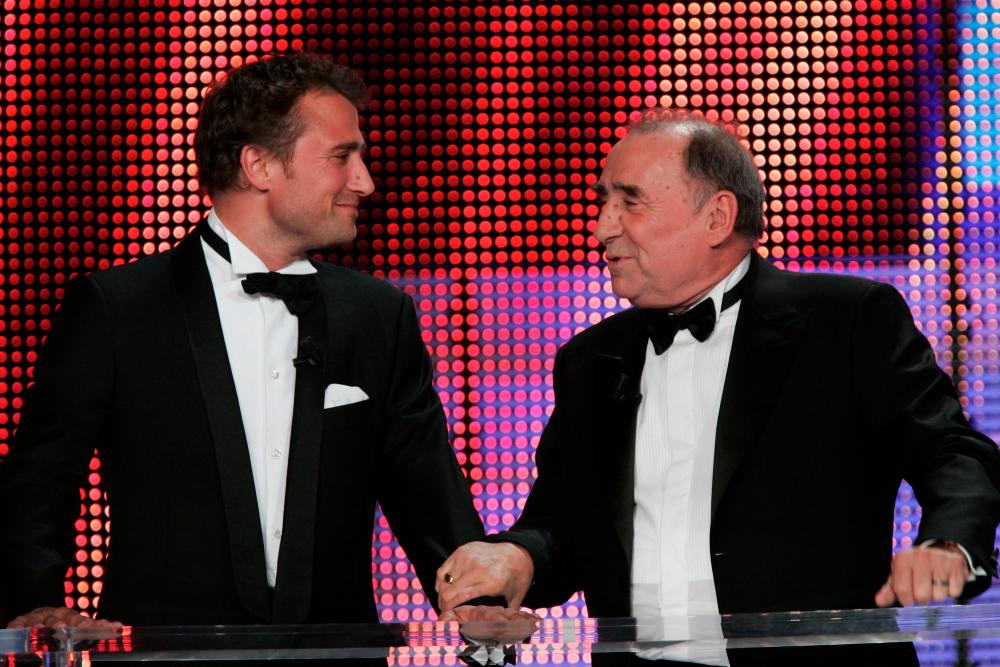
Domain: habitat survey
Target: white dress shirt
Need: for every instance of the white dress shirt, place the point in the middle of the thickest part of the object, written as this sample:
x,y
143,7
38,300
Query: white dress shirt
x,y
261,341
674,458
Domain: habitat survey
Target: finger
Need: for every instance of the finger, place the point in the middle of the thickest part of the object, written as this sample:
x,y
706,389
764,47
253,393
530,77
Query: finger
x,y
455,567
466,585
502,615
445,568
885,596
452,563
902,583
464,613
71,620
958,575
923,587
61,617
59,620
80,621
445,599
514,588
956,581
456,595
516,598
940,587
950,572
918,566
485,614
19,622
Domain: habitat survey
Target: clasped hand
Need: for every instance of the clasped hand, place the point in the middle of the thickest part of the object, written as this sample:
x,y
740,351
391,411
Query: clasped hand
x,y
59,617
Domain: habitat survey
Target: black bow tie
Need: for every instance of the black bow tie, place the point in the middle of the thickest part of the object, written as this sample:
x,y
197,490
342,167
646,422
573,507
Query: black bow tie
x,y
663,325
297,291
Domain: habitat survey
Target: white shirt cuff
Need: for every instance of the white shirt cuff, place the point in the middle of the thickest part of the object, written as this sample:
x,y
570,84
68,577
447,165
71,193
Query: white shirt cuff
x,y
974,572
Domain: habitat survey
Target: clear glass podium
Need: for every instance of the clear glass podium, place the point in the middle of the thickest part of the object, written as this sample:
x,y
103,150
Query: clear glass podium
x,y
943,635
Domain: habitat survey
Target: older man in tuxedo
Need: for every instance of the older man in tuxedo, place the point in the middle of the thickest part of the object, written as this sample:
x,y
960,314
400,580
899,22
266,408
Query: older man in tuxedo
x,y
250,405
735,443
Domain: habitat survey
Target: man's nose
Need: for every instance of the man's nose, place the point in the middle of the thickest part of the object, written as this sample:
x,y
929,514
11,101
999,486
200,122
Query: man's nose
x,y
361,181
608,223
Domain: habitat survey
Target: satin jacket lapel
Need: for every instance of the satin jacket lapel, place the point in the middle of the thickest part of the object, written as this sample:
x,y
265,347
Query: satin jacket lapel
x,y
293,588
619,369
767,334
215,378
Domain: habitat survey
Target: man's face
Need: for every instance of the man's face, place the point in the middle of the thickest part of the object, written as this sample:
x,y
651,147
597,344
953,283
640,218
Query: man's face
x,y
313,199
656,243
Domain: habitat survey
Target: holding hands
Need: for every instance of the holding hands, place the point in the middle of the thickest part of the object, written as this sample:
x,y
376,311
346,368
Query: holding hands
x,y
59,617
484,569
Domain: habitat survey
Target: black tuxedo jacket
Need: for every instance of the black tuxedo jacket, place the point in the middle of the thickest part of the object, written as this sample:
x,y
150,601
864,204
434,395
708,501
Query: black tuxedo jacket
x,y
830,399
136,367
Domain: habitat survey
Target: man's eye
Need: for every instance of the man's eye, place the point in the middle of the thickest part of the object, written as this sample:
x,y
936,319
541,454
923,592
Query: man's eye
x,y
631,203
342,157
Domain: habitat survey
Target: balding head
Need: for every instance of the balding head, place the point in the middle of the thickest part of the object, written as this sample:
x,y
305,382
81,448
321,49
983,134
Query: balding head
x,y
715,159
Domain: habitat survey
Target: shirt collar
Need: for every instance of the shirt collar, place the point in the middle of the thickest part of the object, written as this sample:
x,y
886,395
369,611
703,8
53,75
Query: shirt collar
x,y
721,287
244,261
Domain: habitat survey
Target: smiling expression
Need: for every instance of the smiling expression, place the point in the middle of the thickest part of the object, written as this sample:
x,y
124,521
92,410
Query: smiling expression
x,y
653,223
313,198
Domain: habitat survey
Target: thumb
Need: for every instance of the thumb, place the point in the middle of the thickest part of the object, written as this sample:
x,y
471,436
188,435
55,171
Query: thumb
x,y
516,595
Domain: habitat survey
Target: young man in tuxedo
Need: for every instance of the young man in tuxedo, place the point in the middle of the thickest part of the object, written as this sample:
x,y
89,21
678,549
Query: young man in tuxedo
x,y
736,441
250,405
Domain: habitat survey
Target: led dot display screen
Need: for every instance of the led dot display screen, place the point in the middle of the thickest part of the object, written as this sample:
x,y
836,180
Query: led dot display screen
x,y
874,124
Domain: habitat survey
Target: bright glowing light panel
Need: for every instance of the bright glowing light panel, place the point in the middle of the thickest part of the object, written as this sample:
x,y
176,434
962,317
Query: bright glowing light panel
x,y
875,124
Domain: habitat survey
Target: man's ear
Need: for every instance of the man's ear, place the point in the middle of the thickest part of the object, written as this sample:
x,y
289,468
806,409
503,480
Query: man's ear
x,y
257,166
720,217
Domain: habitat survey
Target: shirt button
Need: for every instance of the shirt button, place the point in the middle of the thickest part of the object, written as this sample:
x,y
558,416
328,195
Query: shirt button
x,y
277,534
275,374
276,454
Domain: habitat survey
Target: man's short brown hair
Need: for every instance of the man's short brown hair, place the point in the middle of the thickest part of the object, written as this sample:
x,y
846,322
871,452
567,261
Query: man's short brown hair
x,y
255,105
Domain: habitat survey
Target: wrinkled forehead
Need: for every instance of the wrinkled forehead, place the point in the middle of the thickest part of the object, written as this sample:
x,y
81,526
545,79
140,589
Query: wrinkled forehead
x,y
640,157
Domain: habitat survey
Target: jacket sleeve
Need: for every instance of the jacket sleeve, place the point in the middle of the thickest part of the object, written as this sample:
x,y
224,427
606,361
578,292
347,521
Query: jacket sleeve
x,y
64,414
542,525
953,469
422,492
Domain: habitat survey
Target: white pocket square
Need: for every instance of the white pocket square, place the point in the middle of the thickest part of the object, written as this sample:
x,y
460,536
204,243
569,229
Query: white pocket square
x,y
341,394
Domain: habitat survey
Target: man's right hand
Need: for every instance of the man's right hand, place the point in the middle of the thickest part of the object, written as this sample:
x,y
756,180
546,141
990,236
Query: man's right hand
x,y
59,617
497,624
485,569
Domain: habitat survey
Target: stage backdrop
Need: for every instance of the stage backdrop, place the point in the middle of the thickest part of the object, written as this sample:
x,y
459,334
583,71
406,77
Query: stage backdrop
x,y
875,123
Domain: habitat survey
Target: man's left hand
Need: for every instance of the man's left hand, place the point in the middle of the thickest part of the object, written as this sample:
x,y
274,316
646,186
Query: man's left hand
x,y
925,574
